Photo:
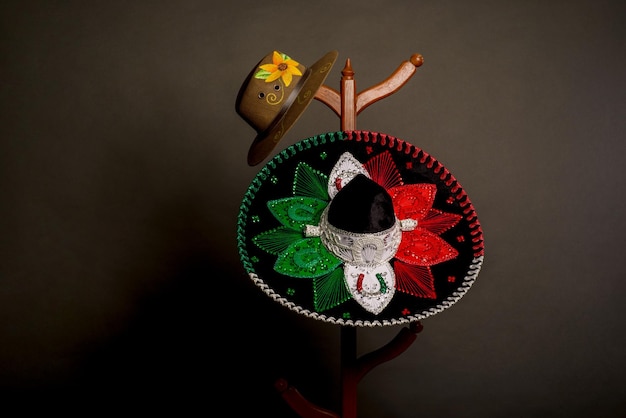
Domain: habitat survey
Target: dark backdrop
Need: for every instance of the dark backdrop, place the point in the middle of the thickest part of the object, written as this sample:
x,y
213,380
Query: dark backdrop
x,y
123,165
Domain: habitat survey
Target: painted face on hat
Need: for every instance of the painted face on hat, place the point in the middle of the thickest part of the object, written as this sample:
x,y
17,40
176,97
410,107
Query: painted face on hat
x,y
272,93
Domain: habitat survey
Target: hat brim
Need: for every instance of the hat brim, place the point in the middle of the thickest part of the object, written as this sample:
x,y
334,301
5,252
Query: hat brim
x,y
267,140
293,268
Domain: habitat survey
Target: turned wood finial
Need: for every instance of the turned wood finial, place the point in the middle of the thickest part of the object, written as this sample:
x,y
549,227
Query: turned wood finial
x,y
348,72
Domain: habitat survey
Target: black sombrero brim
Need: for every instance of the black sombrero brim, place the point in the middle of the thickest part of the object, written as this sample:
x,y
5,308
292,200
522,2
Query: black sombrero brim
x,y
266,141
291,266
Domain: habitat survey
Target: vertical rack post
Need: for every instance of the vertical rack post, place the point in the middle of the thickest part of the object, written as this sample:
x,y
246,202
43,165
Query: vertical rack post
x,y
347,104
348,98
349,379
348,338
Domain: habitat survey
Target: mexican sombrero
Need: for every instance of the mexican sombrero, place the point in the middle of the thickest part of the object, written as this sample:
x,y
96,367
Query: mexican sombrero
x,y
359,228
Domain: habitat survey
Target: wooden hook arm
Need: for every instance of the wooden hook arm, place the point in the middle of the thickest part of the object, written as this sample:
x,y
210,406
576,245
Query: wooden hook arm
x,y
303,407
392,84
394,348
330,97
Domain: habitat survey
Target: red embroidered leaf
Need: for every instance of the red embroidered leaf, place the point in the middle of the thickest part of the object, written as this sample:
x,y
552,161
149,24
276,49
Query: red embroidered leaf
x,y
423,248
413,200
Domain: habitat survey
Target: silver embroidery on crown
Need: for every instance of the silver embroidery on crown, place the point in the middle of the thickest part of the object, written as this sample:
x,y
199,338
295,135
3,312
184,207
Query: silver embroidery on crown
x,y
357,248
312,231
408,224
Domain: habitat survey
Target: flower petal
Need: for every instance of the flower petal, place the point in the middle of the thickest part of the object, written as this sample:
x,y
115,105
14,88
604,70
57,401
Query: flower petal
x,y
286,78
307,258
291,62
293,69
270,68
277,58
274,76
423,248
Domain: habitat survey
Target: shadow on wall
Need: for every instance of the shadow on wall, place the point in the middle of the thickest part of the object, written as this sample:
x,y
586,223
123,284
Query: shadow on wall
x,y
200,337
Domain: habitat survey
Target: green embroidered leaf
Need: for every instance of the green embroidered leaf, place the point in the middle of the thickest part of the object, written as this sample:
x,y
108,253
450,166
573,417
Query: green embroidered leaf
x,y
262,74
330,290
277,240
297,212
307,258
310,182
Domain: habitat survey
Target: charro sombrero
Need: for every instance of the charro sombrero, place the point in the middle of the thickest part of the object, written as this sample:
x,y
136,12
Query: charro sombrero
x,y
359,228
274,95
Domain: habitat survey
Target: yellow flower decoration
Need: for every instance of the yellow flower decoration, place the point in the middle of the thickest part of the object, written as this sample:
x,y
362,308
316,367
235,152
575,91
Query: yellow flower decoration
x,y
281,67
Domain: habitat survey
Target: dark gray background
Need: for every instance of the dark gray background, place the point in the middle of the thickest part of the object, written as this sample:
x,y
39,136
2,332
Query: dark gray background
x,y
124,164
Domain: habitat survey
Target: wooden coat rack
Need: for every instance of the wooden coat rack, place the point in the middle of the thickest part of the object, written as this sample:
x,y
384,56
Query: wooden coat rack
x,y
347,104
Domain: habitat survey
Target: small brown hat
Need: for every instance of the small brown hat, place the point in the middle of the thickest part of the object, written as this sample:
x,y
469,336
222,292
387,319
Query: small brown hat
x,y
275,94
